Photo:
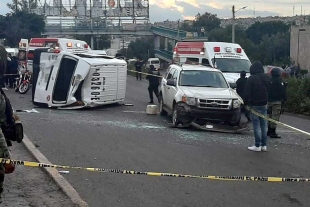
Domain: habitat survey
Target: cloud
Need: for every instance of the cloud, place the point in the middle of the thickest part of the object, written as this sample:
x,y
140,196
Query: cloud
x,y
158,13
3,8
161,10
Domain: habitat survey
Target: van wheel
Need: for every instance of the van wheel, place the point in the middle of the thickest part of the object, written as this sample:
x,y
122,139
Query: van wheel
x,y
162,111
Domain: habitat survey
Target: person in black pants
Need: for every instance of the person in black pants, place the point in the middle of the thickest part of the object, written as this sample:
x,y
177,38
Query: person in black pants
x,y
13,70
154,81
138,66
241,83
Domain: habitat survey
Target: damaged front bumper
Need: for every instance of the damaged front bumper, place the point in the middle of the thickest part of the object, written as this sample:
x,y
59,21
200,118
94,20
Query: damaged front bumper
x,y
210,119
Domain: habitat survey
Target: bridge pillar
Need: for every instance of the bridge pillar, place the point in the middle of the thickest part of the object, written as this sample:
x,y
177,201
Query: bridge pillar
x,y
92,42
166,43
157,42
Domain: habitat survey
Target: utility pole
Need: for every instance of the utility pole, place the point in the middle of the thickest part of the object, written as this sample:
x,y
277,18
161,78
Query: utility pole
x,y
233,24
293,10
16,6
123,46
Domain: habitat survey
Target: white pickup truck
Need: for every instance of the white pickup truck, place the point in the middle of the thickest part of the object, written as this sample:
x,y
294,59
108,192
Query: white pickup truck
x,y
194,93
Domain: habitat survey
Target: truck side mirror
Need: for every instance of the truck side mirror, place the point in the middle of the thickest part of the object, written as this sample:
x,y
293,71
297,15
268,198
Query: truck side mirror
x,y
171,82
233,85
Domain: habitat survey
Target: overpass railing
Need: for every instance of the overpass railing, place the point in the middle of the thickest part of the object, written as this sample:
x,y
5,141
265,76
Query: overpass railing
x,y
94,28
163,54
169,33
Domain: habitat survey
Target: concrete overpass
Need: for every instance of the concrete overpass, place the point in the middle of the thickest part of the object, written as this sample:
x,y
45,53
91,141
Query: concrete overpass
x,y
126,29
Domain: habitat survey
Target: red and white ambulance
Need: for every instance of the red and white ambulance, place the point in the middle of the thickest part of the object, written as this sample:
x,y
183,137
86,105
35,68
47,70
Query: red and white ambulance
x,y
61,44
230,58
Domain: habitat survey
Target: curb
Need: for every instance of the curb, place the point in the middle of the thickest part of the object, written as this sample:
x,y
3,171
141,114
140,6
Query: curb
x,y
54,174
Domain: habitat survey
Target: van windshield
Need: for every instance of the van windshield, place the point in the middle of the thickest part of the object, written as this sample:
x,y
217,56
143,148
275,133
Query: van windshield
x,y
230,65
202,78
154,62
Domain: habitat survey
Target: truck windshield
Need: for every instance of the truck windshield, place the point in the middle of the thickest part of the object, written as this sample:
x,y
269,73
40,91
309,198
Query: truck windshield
x,y
229,65
201,78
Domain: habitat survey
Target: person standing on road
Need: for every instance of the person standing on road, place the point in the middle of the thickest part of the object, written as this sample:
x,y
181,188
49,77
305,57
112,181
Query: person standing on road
x,y
3,66
256,97
241,83
276,98
8,65
138,66
13,71
4,149
154,81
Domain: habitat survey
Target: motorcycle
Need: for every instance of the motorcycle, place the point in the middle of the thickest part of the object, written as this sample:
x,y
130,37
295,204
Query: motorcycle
x,y
23,82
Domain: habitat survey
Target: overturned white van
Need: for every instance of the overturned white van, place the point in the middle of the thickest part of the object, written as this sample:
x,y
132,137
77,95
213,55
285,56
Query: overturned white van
x,y
77,80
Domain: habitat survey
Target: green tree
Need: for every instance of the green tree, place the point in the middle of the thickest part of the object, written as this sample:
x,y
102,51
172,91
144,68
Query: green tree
x,y
25,25
142,48
207,20
101,42
22,5
257,30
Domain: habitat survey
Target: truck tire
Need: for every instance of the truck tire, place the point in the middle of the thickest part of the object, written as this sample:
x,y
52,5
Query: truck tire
x,y
234,122
175,114
162,111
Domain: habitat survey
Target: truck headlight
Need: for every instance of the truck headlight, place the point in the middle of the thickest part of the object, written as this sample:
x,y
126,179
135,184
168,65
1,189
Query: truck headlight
x,y
189,100
236,104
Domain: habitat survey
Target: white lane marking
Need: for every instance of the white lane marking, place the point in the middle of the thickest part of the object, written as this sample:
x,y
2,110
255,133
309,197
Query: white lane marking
x,y
138,112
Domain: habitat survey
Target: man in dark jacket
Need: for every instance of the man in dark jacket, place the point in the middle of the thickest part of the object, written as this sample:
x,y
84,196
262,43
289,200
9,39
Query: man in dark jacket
x,y
138,66
241,83
13,70
276,95
256,96
154,81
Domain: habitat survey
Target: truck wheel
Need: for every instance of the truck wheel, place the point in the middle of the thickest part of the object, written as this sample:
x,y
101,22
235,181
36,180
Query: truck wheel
x,y
234,122
175,116
162,111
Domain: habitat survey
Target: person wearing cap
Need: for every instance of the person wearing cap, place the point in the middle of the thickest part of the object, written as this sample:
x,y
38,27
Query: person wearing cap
x,y
241,83
138,66
256,97
276,96
154,81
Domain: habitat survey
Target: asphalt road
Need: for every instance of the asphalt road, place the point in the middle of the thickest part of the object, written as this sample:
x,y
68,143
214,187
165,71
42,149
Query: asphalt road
x,y
117,137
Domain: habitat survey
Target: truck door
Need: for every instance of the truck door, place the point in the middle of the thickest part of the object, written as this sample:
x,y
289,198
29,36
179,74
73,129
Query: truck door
x,y
172,90
49,64
64,79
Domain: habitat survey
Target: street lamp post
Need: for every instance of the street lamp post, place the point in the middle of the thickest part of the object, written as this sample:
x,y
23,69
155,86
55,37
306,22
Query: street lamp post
x,y
233,23
300,30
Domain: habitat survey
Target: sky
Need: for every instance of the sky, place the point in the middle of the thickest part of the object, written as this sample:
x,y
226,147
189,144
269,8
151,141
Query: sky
x,y
161,10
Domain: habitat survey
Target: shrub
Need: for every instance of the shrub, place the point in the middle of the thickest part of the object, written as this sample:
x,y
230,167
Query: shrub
x,y
298,96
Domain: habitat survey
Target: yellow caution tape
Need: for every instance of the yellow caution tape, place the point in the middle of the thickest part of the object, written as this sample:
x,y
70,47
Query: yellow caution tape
x,y
11,74
134,71
158,174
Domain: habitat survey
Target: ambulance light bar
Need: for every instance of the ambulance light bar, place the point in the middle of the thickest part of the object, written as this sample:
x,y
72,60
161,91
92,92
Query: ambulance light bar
x,y
239,50
217,49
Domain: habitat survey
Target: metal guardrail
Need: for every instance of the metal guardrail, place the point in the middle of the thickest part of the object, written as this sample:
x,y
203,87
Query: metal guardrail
x,y
163,54
167,32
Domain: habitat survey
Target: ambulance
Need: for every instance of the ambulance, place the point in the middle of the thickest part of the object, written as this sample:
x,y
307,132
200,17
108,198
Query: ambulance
x,y
64,79
70,45
230,58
